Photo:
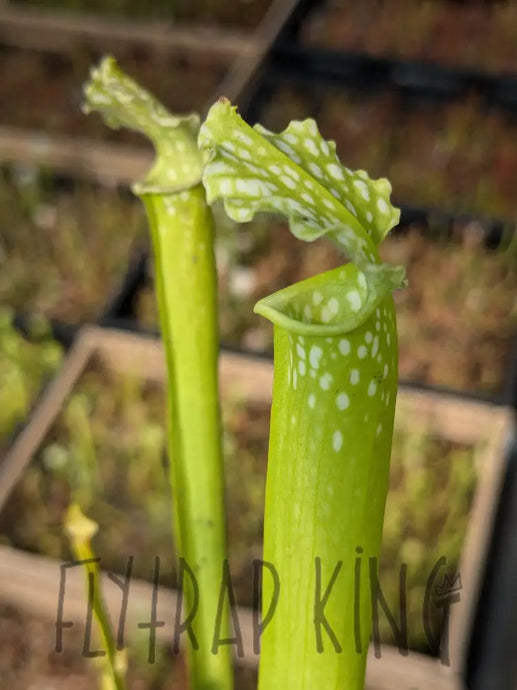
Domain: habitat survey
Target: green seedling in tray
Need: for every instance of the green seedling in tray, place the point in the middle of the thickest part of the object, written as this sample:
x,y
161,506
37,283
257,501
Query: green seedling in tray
x,y
334,393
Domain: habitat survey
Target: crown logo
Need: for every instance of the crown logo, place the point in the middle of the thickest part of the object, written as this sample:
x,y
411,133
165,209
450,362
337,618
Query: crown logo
x,y
449,585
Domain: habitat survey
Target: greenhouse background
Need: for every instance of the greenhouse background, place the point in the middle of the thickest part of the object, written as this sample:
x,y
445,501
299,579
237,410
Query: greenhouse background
x,y
422,92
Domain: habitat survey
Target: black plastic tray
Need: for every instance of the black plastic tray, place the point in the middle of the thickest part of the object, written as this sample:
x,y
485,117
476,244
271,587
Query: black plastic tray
x,y
419,78
371,73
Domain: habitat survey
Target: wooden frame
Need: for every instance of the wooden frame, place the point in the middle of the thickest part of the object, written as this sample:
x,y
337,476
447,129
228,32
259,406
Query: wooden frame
x,y
57,33
453,418
54,31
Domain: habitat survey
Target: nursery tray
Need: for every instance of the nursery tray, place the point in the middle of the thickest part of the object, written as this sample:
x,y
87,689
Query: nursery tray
x,y
449,418
457,319
240,375
184,16
65,245
374,73
476,37
458,155
30,583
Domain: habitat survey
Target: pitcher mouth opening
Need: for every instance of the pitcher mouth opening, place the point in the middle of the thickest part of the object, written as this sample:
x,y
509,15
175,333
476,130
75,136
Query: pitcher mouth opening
x,y
331,303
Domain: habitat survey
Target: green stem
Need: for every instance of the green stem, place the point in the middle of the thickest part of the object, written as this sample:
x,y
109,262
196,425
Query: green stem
x,y
182,236
181,229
